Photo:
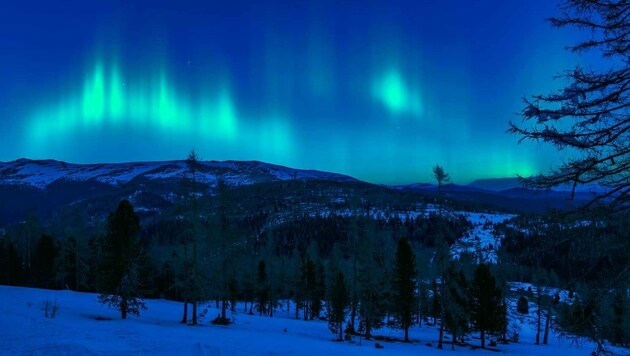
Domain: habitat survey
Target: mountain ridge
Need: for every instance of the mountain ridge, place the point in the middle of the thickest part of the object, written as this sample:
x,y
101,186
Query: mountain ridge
x,y
41,173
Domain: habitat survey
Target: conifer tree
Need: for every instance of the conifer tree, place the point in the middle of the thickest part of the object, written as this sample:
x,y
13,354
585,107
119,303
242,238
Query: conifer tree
x,y
404,286
120,262
488,312
44,256
263,289
337,305
456,316
371,291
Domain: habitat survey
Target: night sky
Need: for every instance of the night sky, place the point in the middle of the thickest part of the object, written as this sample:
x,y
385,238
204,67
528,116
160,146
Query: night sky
x,y
380,90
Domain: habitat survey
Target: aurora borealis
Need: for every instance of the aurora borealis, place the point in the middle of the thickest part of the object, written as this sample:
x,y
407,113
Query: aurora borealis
x,y
380,90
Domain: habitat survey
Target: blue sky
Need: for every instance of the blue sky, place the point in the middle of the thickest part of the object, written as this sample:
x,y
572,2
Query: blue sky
x,y
380,90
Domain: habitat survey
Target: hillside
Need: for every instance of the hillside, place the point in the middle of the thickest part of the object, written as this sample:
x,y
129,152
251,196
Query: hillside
x,y
48,187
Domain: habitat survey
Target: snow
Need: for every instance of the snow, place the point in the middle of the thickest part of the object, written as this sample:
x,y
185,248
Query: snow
x,y
40,174
481,241
76,329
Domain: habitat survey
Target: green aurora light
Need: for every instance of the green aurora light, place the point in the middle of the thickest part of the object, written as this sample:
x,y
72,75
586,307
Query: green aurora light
x,y
106,101
392,91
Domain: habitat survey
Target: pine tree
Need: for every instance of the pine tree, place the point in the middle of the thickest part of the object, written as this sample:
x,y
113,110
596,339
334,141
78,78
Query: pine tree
x,y
337,305
318,293
487,309
43,265
456,316
262,299
371,291
440,176
522,306
441,264
69,264
404,286
120,262
11,264
589,116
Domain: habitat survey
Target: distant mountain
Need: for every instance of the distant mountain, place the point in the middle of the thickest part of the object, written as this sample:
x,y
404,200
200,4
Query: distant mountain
x,y
49,187
505,193
496,184
42,173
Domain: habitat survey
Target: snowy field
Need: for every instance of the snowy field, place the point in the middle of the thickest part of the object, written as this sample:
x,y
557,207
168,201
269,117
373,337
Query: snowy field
x,y
83,326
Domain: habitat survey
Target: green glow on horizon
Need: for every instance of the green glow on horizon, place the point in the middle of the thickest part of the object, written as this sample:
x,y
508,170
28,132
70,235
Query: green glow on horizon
x,y
396,95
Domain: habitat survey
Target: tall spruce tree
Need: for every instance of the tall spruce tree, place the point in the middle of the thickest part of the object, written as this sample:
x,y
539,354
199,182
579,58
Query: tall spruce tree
x,y
456,316
120,262
337,305
262,295
43,266
371,280
404,286
488,313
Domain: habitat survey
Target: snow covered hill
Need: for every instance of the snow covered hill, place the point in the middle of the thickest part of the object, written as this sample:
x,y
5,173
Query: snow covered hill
x,y
42,173
83,326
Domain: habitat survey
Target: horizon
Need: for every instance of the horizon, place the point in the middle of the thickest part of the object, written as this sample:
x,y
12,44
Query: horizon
x,y
428,182
379,92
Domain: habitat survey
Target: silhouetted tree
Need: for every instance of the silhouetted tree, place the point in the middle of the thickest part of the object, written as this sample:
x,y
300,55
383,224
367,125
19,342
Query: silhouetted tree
x,y
590,114
440,176
263,289
43,266
522,306
457,314
337,305
372,286
487,309
404,286
120,257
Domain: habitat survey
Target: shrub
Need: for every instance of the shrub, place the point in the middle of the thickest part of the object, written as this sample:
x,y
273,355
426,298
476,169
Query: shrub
x,y
50,309
522,306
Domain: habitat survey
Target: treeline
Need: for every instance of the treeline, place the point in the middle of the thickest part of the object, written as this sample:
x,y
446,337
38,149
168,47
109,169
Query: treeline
x,y
360,271
586,253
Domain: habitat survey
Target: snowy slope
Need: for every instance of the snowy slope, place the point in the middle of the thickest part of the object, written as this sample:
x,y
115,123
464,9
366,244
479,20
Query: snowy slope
x,y
40,174
480,242
77,330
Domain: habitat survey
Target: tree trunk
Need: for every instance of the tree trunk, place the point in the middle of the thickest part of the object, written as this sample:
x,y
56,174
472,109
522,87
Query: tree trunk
x,y
76,266
353,313
483,338
123,308
407,333
441,336
223,310
547,322
538,313
288,308
194,313
185,316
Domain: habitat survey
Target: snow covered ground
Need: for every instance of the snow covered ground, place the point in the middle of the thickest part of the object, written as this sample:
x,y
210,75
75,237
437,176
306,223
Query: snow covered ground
x,y
83,326
480,241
